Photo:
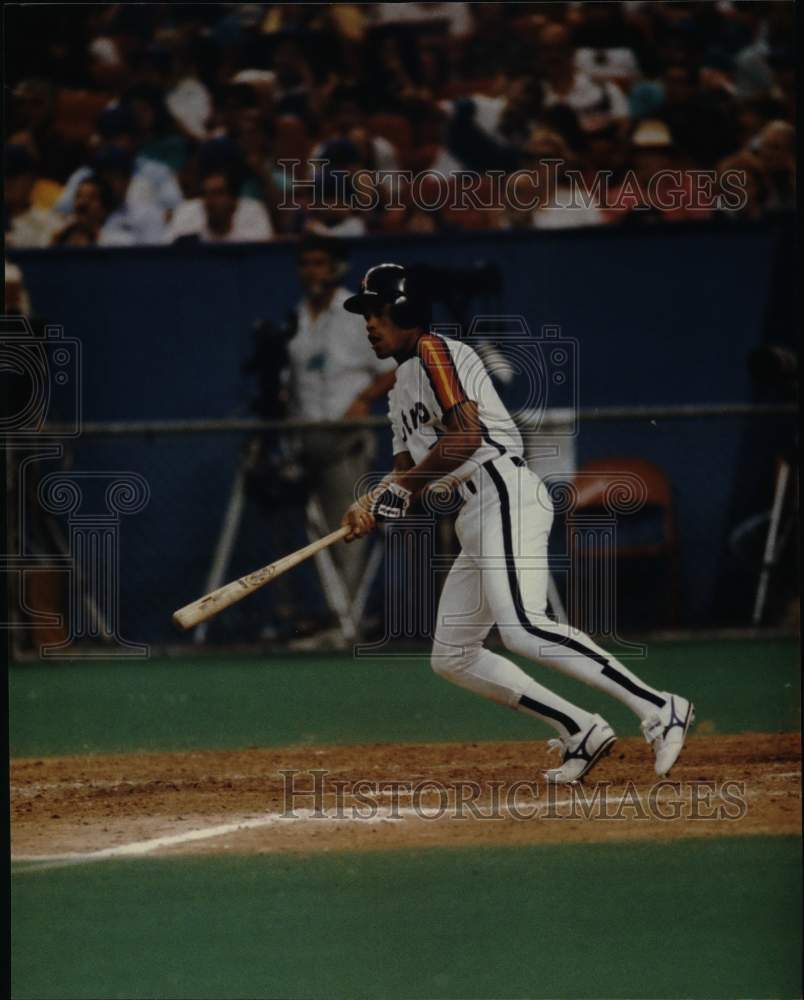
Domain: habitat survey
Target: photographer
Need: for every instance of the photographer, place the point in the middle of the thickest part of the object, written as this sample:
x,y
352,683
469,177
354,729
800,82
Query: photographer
x,y
334,375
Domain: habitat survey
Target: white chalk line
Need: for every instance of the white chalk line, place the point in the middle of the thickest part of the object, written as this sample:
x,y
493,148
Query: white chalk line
x,y
140,848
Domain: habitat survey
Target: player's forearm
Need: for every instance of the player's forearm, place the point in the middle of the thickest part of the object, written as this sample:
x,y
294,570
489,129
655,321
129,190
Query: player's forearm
x,y
451,452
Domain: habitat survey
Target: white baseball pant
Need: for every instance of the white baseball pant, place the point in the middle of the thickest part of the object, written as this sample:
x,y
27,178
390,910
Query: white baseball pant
x,y
500,578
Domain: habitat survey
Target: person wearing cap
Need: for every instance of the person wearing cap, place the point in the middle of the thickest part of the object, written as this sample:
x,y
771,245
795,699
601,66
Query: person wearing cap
x,y
662,189
454,439
334,375
151,183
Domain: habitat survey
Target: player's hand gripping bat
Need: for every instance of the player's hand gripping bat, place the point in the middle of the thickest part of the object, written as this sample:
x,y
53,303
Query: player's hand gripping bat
x,y
230,593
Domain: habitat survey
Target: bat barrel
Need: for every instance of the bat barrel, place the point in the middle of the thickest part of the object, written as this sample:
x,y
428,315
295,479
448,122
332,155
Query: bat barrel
x,y
208,606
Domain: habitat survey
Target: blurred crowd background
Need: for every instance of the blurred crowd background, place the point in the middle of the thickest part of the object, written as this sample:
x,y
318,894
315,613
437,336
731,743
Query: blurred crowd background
x,y
152,123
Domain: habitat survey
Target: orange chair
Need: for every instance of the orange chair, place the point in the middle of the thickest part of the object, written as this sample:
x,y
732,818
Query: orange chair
x,y
596,486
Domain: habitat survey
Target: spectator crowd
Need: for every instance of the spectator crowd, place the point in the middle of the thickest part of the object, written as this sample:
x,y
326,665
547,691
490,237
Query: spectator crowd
x,y
134,124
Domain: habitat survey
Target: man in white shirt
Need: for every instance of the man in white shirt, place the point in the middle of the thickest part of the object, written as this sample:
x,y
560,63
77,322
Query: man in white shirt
x,y
334,375
596,103
219,216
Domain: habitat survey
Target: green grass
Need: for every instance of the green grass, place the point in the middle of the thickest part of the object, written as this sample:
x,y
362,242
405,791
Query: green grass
x,y
63,708
678,919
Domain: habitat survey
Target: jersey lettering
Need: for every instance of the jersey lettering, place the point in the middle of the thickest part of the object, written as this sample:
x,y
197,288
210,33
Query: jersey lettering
x,y
419,414
407,431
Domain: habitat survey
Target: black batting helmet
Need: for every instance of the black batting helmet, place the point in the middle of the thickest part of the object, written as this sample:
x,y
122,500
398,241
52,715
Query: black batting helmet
x,y
394,285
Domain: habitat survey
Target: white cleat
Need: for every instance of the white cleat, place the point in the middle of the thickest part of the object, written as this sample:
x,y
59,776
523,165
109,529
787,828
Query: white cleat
x,y
667,730
581,752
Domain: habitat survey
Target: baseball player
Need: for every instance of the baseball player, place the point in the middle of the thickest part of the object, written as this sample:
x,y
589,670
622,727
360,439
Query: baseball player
x,y
450,427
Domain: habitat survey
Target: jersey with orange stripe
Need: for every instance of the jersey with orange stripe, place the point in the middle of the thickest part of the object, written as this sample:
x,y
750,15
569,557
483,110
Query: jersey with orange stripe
x,y
443,374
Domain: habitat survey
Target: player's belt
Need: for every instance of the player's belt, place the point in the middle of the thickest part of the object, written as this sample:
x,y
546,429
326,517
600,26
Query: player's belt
x,y
470,487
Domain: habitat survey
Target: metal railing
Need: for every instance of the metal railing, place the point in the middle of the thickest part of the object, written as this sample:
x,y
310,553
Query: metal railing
x,y
548,419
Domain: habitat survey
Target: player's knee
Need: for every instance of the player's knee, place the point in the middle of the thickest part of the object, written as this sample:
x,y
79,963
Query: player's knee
x,y
516,640
448,660
444,659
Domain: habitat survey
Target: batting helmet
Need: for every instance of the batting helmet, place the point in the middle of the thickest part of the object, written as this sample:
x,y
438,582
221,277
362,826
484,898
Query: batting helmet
x,y
393,285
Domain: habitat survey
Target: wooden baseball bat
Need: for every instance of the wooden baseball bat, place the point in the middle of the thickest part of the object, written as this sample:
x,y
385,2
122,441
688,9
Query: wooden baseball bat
x,y
230,593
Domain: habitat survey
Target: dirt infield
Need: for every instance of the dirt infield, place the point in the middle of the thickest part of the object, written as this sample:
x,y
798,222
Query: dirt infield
x,y
238,801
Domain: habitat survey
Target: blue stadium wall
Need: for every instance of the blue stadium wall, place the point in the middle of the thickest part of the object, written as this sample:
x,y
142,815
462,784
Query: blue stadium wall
x,y
660,317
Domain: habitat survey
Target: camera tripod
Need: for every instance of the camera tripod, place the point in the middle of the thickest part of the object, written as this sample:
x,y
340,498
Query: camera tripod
x,y
786,480
347,610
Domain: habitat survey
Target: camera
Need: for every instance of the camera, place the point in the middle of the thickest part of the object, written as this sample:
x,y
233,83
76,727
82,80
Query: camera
x,y
546,363
267,362
456,286
43,382
275,477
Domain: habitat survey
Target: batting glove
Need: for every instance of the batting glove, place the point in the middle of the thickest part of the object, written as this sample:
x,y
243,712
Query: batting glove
x,y
392,503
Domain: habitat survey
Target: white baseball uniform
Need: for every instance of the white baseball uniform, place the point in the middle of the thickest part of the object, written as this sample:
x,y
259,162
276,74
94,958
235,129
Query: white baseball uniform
x,y
500,576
